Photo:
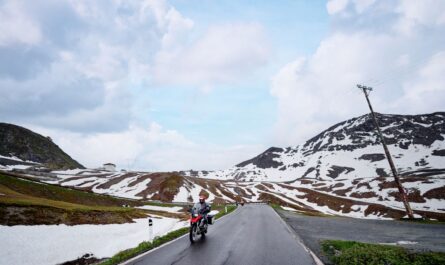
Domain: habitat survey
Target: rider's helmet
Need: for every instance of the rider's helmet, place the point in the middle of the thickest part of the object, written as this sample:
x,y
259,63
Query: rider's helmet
x,y
202,198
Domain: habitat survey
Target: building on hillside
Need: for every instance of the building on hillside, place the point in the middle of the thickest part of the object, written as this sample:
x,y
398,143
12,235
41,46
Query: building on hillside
x,y
109,167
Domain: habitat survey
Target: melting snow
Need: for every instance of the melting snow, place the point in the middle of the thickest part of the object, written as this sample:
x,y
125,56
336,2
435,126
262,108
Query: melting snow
x,y
174,209
53,244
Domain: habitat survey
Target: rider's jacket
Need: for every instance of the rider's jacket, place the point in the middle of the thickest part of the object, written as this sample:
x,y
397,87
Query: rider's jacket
x,y
202,208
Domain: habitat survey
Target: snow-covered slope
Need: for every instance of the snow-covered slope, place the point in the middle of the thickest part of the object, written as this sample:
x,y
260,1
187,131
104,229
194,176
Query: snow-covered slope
x,y
351,149
361,197
348,161
341,171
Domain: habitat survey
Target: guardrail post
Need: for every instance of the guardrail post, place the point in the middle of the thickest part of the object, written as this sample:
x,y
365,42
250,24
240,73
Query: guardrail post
x,y
150,229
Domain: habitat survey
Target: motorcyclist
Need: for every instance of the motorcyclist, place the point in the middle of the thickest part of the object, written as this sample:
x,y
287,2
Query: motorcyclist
x,y
202,207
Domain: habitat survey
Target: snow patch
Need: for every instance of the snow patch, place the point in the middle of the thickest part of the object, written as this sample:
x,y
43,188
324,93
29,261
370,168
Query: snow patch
x,y
53,244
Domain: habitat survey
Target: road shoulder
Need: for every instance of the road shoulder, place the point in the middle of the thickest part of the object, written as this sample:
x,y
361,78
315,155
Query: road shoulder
x,y
316,259
414,236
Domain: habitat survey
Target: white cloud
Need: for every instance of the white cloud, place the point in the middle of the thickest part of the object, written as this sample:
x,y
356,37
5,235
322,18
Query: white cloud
x,y
69,70
151,148
426,12
362,5
107,47
425,91
318,91
336,6
16,26
222,55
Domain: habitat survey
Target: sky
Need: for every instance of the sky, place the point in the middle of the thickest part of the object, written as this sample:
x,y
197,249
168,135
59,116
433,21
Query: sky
x,y
165,85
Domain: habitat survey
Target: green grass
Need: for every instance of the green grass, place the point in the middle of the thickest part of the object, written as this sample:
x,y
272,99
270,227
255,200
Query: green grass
x,y
40,203
352,253
164,204
276,206
144,247
158,241
24,192
220,208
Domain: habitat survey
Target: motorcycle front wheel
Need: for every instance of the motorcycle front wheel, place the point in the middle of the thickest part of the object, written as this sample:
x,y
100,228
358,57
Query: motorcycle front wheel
x,y
193,233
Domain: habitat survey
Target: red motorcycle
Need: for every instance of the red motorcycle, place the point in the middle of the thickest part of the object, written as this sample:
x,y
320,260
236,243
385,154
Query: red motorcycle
x,y
199,226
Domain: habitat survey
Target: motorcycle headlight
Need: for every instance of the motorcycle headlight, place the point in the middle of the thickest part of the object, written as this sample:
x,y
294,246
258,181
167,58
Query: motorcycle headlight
x,y
195,215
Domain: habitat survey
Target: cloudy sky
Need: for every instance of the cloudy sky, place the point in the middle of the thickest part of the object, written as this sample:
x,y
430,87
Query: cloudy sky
x,y
206,84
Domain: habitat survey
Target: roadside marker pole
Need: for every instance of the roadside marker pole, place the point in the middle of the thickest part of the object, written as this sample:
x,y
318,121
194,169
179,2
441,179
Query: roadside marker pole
x,y
150,229
225,208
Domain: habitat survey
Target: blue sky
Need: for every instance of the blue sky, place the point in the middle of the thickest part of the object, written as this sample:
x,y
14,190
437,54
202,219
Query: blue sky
x,y
181,84
242,112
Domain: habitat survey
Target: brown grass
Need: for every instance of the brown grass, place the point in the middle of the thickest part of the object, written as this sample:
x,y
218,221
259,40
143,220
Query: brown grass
x,y
437,193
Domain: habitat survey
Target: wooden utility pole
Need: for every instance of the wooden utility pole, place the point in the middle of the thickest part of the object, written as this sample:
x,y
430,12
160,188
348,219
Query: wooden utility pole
x,y
402,192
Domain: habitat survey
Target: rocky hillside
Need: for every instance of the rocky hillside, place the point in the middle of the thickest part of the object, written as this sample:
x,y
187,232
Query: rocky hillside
x,y
19,145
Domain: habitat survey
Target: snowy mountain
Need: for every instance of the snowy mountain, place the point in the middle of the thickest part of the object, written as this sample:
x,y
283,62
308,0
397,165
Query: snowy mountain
x,y
352,149
341,171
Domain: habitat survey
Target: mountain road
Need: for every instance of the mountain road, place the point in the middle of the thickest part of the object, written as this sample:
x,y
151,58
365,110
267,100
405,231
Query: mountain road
x,y
252,235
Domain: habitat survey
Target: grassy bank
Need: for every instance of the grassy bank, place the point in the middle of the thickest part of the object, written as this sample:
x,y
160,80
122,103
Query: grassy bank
x,y
30,203
158,241
351,253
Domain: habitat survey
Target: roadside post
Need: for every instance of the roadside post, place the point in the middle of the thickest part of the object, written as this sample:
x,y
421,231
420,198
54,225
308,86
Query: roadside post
x,y
150,229
225,208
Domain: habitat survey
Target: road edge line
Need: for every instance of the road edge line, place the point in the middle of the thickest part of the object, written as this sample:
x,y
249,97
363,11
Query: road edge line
x,y
298,239
127,262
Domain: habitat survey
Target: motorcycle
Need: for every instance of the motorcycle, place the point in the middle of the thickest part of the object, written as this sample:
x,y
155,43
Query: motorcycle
x,y
198,225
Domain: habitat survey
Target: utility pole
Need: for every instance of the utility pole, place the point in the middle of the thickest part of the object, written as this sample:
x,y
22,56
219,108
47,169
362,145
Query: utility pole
x,y
402,192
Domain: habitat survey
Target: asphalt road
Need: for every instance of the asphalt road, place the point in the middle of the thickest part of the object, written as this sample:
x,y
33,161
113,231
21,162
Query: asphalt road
x,y
416,236
252,235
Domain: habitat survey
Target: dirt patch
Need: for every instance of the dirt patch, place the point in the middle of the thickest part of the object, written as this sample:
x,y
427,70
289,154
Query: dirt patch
x,y
267,197
382,211
342,192
85,182
337,185
387,185
364,184
73,178
306,181
227,193
210,185
326,189
165,185
413,196
115,180
139,180
270,186
437,193
261,187
241,192
360,195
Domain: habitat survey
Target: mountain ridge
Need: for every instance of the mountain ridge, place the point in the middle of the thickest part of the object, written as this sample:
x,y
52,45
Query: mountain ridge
x,y
23,146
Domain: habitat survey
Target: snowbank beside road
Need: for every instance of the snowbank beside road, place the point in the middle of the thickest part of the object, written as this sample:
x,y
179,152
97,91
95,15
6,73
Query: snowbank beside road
x,y
53,244
173,209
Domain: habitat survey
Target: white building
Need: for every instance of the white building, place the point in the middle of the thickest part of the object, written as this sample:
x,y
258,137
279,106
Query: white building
x,y
109,167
